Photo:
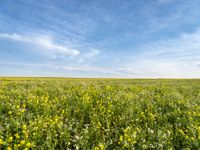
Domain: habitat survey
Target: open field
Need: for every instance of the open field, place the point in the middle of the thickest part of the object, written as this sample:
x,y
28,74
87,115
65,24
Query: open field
x,y
55,113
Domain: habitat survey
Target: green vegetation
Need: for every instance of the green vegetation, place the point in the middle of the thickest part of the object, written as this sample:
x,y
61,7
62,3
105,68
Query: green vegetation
x,y
53,113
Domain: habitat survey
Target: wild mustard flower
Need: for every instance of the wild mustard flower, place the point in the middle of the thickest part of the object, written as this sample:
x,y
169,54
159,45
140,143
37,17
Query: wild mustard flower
x,y
17,136
121,138
9,148
22,142
1,141
10,139
28,144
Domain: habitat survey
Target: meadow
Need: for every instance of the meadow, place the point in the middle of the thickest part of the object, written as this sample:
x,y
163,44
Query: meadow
x,y
99,114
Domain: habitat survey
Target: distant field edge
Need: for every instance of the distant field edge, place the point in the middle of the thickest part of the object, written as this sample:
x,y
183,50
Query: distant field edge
x,y
121,78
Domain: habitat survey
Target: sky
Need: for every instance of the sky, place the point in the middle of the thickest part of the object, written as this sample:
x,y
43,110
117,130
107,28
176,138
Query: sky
x,y
100,38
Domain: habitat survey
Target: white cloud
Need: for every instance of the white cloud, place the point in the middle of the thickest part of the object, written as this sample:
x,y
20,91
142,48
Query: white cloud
x,y
14,36
89,56
42,41
178,57
86,69
92,53
182,47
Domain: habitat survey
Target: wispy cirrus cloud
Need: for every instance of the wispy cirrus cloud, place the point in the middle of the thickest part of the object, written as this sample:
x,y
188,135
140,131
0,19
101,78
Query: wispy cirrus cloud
x,y
66,69
43,41
176,57
92,53
183,47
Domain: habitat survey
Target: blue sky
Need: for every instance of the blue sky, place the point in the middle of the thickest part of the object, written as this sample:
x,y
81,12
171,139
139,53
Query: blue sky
x,y
100,38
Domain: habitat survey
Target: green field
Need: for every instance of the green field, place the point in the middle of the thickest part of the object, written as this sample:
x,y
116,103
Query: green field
x,y
61,113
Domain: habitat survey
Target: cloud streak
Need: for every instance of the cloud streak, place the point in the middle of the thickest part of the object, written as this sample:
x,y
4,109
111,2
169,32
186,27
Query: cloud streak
x,y
84,69
177,57
43,41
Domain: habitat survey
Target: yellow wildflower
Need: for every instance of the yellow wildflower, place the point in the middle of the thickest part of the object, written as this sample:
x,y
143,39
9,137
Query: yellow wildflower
x,y
121,138
96,148
9,148
24,131
1,141
26,135
22,110
101,146
17,136
28,144
181,131
10,139
22,142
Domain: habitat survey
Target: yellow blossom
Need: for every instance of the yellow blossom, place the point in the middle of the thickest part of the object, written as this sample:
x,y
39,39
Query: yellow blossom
x,y
101,146
9,148
24,131
181,131
10,139
28,144
22,110
1,141
17,136
22,142
121,138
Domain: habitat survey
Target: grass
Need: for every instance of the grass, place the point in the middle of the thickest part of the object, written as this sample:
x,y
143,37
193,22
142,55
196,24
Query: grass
x,y
61,113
